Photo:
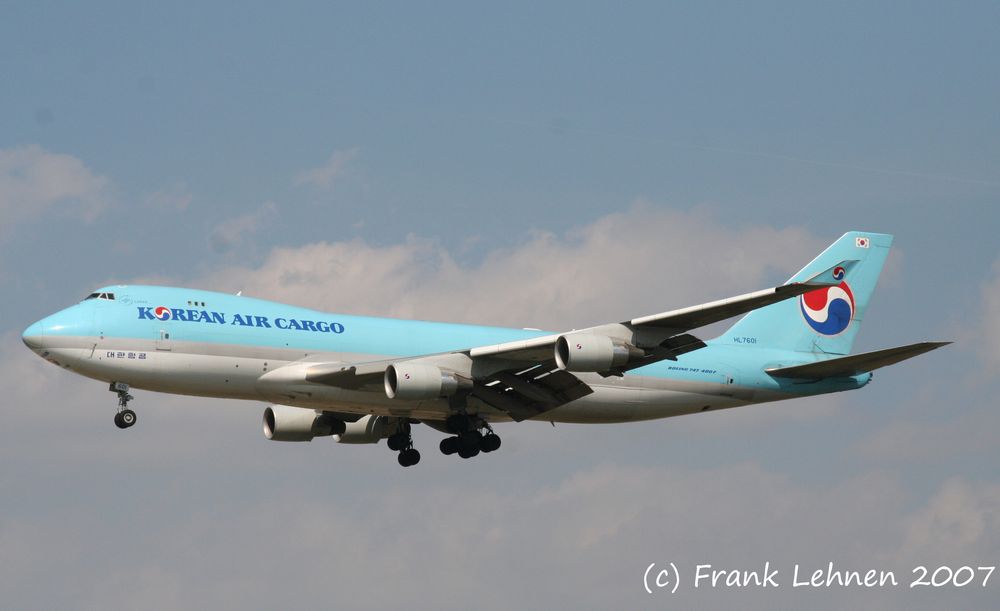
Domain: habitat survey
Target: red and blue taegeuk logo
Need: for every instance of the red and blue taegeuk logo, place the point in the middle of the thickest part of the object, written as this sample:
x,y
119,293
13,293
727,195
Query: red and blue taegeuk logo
x,y
163,313
829,310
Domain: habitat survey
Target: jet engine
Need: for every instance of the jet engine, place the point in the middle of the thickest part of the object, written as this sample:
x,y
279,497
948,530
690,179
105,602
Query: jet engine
x,y
367,429
590,352
286,423
410,381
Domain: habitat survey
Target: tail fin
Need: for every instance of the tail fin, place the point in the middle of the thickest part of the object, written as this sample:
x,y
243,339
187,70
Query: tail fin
x,y
826,320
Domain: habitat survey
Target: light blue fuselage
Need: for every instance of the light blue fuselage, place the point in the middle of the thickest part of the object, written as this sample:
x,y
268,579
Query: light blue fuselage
x,y
219,345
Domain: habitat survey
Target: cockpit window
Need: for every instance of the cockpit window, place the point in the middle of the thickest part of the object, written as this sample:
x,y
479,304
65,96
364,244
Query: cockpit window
x,y
107,296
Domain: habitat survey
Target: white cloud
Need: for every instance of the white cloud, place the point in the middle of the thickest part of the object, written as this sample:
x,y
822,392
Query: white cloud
x,y
176,197
326,175
231,232
626,264
34,181
959,525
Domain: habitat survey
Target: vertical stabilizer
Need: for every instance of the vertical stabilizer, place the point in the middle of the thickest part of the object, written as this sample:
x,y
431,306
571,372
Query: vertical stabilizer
x,y
826,320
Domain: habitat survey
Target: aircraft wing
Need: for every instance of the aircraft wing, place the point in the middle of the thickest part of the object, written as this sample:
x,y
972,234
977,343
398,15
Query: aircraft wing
x,y
520,392
707,313
346,375
522,378
674,322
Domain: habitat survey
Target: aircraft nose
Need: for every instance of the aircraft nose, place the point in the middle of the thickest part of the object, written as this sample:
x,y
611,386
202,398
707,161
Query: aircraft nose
x,y
32,336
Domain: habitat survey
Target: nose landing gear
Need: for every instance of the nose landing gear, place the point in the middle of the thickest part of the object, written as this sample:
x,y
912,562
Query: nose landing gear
x,y
125,417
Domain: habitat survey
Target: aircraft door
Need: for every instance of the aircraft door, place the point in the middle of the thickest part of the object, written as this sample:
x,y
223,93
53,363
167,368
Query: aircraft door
x,y
728,379
163,341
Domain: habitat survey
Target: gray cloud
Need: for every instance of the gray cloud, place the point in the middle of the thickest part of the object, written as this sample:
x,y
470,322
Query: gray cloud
x,y
934,429
581,539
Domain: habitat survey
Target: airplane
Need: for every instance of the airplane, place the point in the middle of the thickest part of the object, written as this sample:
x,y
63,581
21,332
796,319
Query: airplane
x,y
362,379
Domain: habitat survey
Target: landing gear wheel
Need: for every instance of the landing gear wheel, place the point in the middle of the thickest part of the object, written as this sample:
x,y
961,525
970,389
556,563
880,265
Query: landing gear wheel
x,y
449,445
471,440
127,418
490,442
408,458
396,442
465,452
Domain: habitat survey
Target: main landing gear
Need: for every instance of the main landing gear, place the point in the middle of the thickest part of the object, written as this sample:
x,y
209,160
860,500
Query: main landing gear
x,y
402,441
472,435
125,417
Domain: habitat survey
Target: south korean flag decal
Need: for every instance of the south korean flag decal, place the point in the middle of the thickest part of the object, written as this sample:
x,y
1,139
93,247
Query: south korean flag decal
x,y
862,242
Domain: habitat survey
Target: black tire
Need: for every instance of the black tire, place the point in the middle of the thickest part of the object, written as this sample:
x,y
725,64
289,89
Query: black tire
x,y
118,421
408,458
449,445
128,418
468,452
396,442
490,443
471,440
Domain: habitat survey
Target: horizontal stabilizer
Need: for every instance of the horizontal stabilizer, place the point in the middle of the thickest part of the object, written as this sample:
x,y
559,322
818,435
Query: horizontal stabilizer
x,y
855,364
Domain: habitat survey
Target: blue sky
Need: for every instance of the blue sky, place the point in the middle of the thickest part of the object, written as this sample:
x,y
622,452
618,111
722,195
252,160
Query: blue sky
x,y
553,165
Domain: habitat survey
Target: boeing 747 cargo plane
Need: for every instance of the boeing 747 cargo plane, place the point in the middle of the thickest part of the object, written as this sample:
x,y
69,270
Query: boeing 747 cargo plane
x,y
362,379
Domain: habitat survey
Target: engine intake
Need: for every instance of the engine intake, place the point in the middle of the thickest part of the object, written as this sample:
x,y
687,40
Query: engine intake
x,y
287,423
589,352
415,381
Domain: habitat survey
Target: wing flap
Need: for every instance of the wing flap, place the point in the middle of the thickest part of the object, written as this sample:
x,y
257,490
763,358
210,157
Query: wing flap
x,y
668,350
530,393
855,364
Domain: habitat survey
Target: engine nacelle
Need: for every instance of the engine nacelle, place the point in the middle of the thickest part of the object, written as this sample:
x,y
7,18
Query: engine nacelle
x,y
410,381
590,352
367,429
286,423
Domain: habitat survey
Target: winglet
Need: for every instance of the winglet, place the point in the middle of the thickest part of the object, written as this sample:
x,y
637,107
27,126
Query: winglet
x,y
833,276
